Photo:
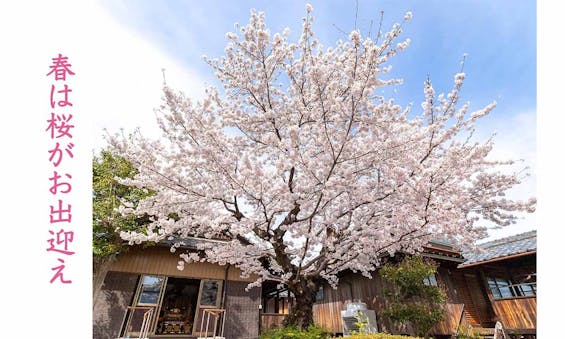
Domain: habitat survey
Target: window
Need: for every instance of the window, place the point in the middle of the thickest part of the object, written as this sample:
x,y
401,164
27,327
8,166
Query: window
x,y
320,294
209,295
430,280
504,288
527,290
150,290
148,297
527,284
500,288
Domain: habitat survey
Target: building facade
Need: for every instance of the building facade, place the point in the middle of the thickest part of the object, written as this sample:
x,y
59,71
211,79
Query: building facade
x,y
146,283
500,284
495,284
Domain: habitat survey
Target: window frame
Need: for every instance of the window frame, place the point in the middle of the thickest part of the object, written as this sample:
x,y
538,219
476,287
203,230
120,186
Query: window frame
x,y
319,295
141,291
497,285
430,280
219,284
136,303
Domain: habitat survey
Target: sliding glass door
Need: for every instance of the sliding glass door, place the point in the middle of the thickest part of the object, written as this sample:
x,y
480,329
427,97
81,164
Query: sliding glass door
x,y
144,308
209,298
176,306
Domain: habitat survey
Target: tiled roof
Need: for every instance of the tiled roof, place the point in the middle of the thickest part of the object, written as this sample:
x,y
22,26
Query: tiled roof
x,y
500,248
189,242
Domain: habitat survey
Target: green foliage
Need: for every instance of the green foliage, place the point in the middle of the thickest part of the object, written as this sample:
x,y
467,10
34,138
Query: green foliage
x,y
292,332
106,198
409,300
467,333
314,332
361,321
380,336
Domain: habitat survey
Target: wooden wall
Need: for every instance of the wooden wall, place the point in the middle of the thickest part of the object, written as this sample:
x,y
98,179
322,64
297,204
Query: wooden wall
x,y
327,313
445,279
271,320
482,309
517,313
470,289
453,317
160,261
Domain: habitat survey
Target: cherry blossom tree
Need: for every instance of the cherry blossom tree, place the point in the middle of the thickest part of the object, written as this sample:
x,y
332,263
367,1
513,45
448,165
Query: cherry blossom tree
x,y
308,170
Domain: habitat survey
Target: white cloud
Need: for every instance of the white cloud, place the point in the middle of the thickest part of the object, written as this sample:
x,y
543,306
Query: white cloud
x,y
127,78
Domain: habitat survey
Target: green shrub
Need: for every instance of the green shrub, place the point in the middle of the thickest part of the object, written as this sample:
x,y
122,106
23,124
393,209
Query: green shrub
x,y
291,332
467,333
314,332
408,299
379,336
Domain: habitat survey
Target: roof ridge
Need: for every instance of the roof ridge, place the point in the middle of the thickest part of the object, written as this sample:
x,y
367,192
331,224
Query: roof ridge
x,y
509,239
500,248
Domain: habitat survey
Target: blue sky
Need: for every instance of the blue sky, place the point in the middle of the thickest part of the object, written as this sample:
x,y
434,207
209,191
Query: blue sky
x,y
499,38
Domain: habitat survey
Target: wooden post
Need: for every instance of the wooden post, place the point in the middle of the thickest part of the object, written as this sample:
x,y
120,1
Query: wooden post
x,y
260,320
277,302
486,288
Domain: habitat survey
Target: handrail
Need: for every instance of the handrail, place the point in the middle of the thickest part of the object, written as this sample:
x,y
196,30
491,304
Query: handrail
x,y
216,313
147,319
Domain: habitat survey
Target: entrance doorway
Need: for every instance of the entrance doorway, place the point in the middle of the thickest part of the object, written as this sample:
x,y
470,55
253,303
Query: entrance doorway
x,y
178,307
165,306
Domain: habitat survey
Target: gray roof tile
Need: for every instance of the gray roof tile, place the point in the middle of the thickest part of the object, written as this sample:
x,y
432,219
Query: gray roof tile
x,y
500,248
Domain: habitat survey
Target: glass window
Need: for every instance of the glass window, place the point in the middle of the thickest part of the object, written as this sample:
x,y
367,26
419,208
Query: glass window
x,y
500,288
494,289
320,294
150,290
430,281
527,290
504,288
147,299
209,295
526,284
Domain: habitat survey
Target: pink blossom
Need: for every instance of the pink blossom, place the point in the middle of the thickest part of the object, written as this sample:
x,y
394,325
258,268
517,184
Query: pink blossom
x,y
306,169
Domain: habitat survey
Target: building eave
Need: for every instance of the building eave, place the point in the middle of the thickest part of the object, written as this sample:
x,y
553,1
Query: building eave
x,y
517,255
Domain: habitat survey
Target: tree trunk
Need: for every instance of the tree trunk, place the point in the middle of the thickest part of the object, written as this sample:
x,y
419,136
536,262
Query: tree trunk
x,y
100,266
304,291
